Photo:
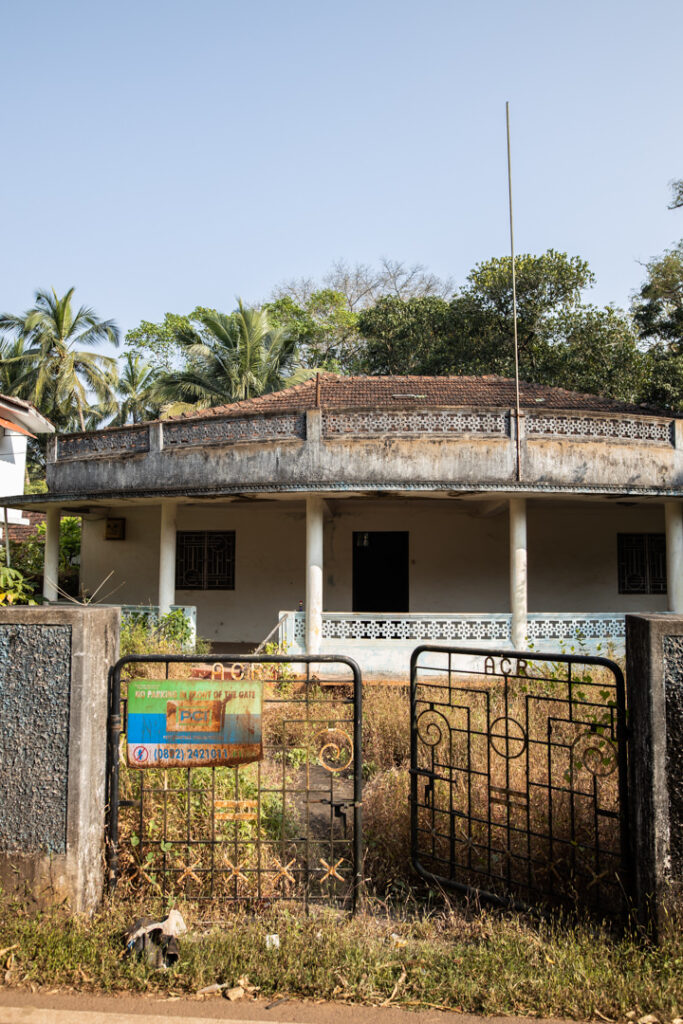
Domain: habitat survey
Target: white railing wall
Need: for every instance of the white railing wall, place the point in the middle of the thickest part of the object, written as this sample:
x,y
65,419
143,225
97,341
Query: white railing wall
x,y
382,642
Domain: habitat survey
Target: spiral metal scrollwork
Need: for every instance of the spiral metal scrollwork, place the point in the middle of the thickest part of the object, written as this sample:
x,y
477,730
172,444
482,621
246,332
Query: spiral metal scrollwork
x,y
335,749
594,752
433,728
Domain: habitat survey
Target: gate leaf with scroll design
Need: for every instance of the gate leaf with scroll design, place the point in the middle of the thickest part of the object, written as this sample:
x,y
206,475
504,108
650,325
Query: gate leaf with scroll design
x,y
287,827
518,777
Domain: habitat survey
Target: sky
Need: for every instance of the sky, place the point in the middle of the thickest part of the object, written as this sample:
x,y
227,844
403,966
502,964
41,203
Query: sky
x,y
161,154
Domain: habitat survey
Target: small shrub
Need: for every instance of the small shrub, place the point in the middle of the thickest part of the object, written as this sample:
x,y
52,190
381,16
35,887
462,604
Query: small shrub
x,y
145,633
14,587
29,555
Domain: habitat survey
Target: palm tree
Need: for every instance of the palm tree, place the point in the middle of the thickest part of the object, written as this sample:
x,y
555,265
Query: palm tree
x,y
234,357
57,374
134,391
13,377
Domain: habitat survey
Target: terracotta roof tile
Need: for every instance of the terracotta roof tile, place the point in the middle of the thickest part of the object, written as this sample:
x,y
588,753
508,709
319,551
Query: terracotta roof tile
x,y
339,392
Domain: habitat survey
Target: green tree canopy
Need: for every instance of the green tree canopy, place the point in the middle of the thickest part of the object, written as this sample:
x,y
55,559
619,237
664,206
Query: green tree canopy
x,y
135,391
404,336
561,341
658,306
228,357
59,376
157,343
676,194
322,325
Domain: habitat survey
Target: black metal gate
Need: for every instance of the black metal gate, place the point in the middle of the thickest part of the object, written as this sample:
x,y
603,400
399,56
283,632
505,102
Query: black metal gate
x,y
519,777
285,827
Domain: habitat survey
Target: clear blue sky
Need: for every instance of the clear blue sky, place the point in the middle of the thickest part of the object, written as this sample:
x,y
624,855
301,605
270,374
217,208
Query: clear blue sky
x,y
162,154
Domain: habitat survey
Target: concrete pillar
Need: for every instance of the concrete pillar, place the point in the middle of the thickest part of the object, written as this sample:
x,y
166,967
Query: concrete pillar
x,y
167,548
314,573
673,512
54,695
51,558
654,679
518,572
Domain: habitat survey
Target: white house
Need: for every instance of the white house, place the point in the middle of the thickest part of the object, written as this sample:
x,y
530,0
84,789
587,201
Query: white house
x,y
19,420
367,514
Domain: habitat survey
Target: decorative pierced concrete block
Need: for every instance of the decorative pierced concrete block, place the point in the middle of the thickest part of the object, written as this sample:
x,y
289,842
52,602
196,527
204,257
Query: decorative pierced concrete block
x,y
599,428
228,431
115,442
355,424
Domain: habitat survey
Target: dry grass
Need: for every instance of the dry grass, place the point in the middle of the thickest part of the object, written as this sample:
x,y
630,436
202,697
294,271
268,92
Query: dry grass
x,y
386,728
491,964
386,831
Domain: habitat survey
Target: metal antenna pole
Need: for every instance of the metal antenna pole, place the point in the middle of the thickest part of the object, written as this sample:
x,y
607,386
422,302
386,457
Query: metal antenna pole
x,y
514,298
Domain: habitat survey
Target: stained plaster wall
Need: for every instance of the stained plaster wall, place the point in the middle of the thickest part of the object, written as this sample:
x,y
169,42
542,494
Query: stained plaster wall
x,y
458,557
381,460
269,564
573,555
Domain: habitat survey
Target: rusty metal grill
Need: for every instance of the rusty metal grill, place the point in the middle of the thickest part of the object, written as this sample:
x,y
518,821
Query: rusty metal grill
x,y
284,828
519,777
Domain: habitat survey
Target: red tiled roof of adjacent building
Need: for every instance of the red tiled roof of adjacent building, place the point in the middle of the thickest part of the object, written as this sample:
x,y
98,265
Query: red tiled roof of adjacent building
x,y
334,391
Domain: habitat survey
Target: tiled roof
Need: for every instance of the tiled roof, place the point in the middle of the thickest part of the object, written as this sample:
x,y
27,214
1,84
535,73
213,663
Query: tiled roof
x,y
339,392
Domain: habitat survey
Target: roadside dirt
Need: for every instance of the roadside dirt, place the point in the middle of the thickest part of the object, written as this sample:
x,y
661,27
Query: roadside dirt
x,y
217,1008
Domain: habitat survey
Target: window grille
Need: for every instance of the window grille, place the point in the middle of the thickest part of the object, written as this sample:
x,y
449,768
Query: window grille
x,y
205,560
642,563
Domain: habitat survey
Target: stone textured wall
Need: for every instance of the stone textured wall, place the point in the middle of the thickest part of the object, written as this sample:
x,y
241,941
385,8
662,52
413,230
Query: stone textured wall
x,y
54,664
673,686
35,690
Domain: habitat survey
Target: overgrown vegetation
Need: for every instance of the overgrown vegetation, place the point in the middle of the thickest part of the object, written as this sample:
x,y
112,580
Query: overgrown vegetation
x,y
452,958
28,556
148,633
14,587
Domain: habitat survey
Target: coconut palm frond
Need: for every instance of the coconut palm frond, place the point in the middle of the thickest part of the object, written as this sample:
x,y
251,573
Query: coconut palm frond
x,y
57,375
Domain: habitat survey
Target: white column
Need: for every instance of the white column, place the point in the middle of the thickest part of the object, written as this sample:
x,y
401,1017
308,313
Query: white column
x,y
518,572
167,546
673,513
51,557
314,573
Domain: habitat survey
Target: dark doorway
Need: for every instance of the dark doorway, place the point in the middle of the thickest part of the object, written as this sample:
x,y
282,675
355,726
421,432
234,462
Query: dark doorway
x,y
380,571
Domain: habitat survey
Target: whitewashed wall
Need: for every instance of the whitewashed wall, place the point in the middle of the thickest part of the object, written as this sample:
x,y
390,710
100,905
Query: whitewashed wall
x,y
269,564
458,557
12,470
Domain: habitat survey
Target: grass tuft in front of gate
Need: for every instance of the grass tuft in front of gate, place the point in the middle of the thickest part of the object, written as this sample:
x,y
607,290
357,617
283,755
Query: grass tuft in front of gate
x,y
487,963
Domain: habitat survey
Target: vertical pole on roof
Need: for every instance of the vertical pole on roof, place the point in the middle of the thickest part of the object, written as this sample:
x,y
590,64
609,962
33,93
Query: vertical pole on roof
x,y
514,297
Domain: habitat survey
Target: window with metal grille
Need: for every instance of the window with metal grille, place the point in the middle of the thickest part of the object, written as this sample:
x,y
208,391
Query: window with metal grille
x,y
205,560
642,563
